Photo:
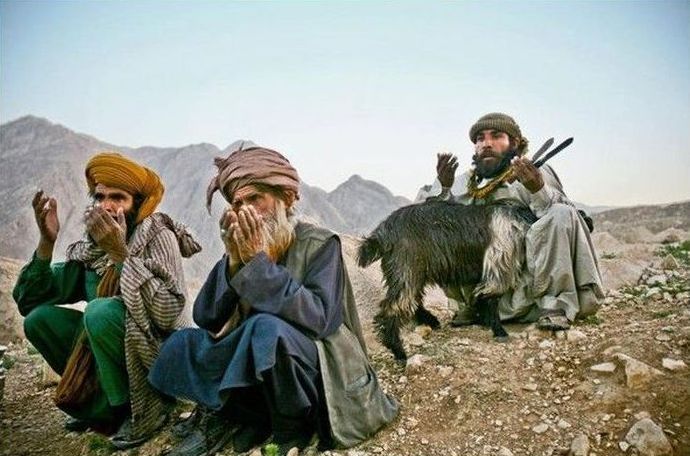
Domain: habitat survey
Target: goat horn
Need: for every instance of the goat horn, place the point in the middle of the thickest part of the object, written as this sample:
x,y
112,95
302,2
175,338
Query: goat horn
x,y
558,148
542,149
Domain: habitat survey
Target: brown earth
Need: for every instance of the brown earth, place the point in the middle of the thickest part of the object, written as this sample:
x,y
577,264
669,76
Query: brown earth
x,y
468,395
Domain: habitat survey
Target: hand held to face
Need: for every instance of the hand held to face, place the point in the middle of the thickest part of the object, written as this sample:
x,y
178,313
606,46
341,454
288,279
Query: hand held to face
x,y
45,212
248,233
227,222
108,233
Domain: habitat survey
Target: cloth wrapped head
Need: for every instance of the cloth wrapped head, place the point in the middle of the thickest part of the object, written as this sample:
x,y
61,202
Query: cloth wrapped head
x,y
251,166
115,170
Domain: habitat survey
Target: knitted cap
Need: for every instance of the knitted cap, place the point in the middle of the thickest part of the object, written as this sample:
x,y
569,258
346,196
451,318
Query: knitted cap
x,y
496,121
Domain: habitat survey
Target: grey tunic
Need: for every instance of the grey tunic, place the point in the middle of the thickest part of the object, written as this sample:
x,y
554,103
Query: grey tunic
x,y
562,270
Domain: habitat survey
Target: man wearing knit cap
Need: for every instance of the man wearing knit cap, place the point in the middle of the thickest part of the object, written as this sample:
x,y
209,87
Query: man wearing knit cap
x,y
561,280
128,269
279,350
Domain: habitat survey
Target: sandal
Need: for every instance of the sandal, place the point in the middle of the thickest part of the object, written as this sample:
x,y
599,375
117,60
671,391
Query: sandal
x,y
553,321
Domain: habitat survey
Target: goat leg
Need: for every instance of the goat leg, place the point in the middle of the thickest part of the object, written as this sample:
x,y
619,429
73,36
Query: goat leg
x,y
489,316
388,329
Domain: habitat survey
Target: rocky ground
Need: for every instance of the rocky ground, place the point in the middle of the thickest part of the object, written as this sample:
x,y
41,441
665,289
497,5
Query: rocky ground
x,y
617,383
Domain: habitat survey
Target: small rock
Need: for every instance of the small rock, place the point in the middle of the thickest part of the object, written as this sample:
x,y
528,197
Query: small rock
x,y
415,340
503,451
637,373
401,431
423,330
604,367
416,362
673,364
623,446
402,379
464,341
185,415
540,428
642,415
294,451
575,335
658,279
445,371
612,349
579,446
530,387
563,424
425,442
546,344
648,438
662,337
256,452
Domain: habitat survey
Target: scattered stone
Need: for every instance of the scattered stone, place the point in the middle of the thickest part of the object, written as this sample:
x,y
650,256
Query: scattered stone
x,y
546,344
401,431
611,350
642,415
540,428
579,446
648,438
659,279
563,424
637,373
575,335
294,451
415,340
673,364
185,415
425,442
623,446
415,363
530,387
423,330
503,451
256,452
662,337
604,367
445,371
464,341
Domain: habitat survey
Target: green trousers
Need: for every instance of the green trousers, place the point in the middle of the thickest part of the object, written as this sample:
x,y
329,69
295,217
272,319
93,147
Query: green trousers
x,y
53,331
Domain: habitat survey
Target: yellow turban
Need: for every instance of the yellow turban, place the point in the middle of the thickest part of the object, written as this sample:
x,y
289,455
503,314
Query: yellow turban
x,y
115,170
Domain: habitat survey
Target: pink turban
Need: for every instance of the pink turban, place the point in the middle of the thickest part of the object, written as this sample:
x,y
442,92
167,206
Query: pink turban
x,y
255,165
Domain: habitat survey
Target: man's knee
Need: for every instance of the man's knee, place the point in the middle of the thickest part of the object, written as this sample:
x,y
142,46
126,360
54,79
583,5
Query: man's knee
x,y
267,325
101,314
38,319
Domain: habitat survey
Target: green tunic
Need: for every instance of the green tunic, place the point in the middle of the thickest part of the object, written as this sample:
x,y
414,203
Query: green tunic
x,y
53,330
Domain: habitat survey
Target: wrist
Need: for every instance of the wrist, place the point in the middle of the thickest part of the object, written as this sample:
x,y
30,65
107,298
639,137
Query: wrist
x,y
45,249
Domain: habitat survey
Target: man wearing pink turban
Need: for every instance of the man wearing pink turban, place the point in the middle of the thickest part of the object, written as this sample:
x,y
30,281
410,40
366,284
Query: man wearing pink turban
x,y
279,350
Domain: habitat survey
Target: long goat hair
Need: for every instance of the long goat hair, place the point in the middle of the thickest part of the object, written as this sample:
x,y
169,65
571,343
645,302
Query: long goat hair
x,y
450,245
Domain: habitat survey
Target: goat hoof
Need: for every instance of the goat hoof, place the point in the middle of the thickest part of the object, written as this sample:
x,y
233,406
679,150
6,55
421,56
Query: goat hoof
x,y
502,339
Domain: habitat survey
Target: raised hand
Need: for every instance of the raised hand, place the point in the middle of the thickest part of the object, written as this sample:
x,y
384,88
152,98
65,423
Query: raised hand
x,y
227,223
248,234
45,212
446,165
108,233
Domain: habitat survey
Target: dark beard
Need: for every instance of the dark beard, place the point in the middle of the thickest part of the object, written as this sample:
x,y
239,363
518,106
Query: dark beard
x,y
488,171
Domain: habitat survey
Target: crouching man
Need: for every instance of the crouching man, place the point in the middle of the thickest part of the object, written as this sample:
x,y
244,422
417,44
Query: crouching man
x,y
129,270
280,349
561,279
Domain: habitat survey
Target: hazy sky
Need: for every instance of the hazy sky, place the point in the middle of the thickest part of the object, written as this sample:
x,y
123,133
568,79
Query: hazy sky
x,y
371,88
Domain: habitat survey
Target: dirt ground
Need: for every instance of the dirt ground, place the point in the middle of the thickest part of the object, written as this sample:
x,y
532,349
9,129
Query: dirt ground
x,y
464,394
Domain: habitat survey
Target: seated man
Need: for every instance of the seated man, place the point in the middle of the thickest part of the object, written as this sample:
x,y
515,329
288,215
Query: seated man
x,y
561,280
280,350
129,270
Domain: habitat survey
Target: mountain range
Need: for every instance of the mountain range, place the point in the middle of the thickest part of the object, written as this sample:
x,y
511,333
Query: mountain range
x,y
36,153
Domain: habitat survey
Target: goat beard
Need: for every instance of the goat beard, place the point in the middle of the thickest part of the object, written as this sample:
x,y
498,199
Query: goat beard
x,y
278,232
489,171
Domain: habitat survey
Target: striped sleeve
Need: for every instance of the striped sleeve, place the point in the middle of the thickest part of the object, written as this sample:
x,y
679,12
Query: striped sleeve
x,y
153,284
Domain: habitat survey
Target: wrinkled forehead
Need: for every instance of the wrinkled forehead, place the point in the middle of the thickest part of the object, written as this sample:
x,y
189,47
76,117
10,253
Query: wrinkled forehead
x,y
245,192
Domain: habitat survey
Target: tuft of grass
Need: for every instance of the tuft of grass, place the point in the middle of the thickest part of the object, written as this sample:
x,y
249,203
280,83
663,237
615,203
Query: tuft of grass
x,y
608,256
680,251
8,361
31,350
592,320
99,444
661,314
270,450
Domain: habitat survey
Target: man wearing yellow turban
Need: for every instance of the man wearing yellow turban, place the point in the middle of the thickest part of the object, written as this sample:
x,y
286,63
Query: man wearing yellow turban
x,y
129,270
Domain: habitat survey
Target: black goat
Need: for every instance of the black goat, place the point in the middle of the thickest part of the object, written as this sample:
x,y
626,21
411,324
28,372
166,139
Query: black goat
x,y
447,244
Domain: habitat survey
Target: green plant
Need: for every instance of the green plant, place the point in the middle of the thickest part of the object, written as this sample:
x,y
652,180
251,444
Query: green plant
x,y
662,314
608,256
680,251
31,350
592,320
8,361
99,444
270,450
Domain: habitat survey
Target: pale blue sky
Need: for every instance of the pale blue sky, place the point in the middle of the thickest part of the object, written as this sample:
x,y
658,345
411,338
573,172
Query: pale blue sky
x,y
370,88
